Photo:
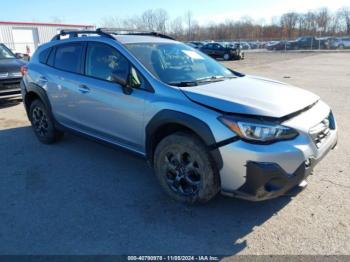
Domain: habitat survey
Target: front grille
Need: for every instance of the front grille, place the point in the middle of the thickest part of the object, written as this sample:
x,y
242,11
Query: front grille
x,y
10,85
321,131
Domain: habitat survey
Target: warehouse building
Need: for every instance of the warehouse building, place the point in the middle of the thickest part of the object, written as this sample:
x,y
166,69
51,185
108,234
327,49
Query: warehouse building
x,y
24,37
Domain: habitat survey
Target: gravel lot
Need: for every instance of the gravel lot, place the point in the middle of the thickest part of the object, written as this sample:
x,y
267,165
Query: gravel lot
x,y
79,197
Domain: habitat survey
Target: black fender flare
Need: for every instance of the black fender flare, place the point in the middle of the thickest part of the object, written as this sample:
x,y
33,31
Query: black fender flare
x,y
40,92
198,126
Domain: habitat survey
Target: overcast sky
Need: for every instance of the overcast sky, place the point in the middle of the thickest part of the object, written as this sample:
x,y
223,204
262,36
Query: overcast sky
x,y
204,11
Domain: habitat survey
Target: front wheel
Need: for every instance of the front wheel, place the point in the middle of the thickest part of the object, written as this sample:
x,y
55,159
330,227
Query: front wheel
x,y
185,169
227,57
43,124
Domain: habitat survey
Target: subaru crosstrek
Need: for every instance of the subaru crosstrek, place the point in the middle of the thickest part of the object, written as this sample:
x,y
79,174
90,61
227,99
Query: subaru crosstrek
x,y
203,128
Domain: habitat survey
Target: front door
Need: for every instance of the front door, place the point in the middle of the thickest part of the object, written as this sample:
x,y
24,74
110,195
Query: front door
x,y
103,109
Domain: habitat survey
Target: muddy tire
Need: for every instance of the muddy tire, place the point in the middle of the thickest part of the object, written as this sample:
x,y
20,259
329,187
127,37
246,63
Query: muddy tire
x,y
185,168
43,123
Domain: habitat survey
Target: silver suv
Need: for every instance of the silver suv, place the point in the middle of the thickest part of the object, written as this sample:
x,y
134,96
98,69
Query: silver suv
x,y
203,128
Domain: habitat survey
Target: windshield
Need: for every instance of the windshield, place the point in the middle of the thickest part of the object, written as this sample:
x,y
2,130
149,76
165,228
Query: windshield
x,y
178,64
5,53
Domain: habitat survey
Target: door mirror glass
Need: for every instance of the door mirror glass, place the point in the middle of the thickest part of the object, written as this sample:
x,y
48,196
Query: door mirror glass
x,y
120,78
135,80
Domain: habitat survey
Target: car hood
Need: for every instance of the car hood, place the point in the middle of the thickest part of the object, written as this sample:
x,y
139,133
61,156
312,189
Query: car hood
x,y
10,65
251,95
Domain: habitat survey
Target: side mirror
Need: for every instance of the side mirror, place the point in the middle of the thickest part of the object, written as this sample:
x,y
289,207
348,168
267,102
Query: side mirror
x,y
122,78
19,55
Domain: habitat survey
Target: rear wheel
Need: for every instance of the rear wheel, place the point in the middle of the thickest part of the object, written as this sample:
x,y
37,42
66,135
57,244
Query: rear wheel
x,y
185,169
43,124
341,47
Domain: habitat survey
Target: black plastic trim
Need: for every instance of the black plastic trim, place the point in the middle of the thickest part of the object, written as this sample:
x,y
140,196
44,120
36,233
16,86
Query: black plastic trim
x,y
196,125
268,180
224,142
39,92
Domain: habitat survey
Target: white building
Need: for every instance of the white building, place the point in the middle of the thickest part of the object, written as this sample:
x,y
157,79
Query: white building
x,y
24,37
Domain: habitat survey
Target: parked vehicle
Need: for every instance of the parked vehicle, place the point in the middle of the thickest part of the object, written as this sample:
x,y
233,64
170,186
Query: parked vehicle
x,y
244,45
307,42
339,43
203,128
280,45
217,50
10,73
195,44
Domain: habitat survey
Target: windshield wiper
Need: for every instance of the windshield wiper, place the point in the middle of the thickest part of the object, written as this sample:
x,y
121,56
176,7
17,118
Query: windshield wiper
x,y
183,83
209,79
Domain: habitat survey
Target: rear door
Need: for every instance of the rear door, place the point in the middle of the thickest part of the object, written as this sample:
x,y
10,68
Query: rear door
x,y
219,50
208,49
63,76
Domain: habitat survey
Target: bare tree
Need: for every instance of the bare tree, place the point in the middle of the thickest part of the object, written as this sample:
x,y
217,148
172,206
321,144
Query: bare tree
x,y
323,19
161,20
289,22
176,28
189,21
288,25
345,15
112,22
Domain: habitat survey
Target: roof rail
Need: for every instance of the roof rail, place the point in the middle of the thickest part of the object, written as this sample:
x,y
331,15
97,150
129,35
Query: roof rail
x,y
76,33
127,31
107,32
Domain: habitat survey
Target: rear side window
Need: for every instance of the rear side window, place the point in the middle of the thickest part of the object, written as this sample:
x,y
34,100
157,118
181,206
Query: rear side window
x,y
68,57
43,56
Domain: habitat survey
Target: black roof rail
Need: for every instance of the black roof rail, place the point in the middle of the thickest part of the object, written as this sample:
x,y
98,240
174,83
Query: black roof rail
x,y
123,31
108,32
76,33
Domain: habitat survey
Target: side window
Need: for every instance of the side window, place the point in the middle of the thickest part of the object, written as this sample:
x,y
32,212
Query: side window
x,y
44,55
68,57
51,58
218,47
103,60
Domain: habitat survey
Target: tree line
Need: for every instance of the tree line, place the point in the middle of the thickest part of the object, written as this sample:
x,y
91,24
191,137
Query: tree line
x,y
320,22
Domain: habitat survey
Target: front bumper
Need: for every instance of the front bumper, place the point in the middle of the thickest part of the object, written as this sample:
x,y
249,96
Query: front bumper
x,y
10,87
260,172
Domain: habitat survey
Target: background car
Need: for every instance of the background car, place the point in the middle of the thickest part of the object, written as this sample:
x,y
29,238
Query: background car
x,y
10,73
308,42
278,45
217,50
195,44
339,43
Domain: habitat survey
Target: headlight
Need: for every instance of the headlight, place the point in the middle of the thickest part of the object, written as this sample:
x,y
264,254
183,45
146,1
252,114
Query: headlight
x,y
258,131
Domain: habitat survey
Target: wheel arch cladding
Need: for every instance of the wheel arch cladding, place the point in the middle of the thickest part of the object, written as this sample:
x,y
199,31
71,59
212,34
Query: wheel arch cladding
x,y
33,92
178,121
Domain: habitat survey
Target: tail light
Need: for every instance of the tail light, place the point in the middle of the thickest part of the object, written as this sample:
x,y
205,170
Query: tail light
x,y
24,70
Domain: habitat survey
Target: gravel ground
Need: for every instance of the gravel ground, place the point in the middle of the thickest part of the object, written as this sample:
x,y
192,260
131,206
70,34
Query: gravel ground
x,y
79,197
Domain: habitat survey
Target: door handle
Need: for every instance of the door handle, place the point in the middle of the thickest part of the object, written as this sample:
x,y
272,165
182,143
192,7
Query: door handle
x,y
42,79
83,89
